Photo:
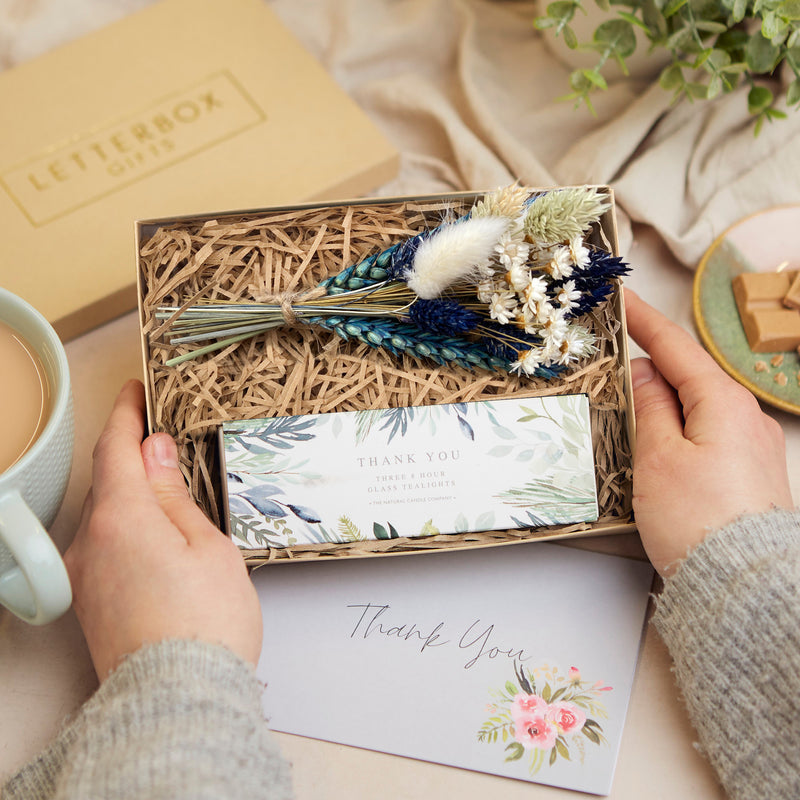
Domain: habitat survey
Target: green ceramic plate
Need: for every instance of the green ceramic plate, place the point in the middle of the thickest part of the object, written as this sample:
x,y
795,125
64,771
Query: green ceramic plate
x,y
765,242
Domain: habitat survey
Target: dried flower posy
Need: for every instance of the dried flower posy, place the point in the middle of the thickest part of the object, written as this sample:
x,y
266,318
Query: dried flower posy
x,y
501,288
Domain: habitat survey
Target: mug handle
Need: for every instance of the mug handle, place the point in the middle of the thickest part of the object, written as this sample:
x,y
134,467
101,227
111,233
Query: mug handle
x,y
37,589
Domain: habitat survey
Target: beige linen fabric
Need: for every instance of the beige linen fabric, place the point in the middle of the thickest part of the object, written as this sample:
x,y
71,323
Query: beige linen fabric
x,y
468,91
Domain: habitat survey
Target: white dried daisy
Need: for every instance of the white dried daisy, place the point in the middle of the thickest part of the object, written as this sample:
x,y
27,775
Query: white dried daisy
x,y
525,320
578,343
502,307
486,289
544,310
555,327
511,251
518,277
551,350
569,296
535,293
579,252
528,362
560,265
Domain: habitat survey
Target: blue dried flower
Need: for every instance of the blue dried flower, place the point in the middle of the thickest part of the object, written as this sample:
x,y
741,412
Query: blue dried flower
x,y
447,317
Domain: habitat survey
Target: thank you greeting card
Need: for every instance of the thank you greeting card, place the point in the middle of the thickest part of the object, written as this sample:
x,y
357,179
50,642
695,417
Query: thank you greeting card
x,y
516,661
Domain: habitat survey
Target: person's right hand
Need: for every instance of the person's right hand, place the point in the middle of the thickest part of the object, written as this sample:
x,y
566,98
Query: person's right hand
x,y
146,564
705,452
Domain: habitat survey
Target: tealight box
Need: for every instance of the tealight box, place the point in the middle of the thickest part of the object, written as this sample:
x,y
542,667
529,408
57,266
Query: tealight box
x,y
379,474
263,422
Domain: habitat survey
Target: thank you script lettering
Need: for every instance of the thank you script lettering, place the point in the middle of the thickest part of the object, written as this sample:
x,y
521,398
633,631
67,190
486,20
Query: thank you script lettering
x,y
478,641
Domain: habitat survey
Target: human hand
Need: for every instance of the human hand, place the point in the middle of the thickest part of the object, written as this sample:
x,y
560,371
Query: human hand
x,y
705,452
146,564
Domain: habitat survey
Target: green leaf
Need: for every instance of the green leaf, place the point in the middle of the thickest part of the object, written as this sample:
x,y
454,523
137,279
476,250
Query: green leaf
x,y
789,10
634,20
553,756
595,78
561,9
709,26
681,40
671,77
543,23
485,521
511,688
759,98
732,41
379,531
771,25
558,693
562,748
570,39
590,734
705,9
702,58
546,693
696,91
714,87
739,10
617,36
348,530
561,12
735,69
719,59
793,92
760,54
673,6
515,751
654,19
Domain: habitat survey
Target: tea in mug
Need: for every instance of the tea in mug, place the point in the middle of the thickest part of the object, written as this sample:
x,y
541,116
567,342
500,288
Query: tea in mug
x,y
24,396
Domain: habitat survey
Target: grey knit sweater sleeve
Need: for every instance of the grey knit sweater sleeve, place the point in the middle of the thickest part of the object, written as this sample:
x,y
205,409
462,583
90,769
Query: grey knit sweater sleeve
x,y
178,719
730,617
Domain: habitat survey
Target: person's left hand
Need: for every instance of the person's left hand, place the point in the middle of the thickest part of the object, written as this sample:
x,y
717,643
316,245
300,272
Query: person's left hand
x,y
146,564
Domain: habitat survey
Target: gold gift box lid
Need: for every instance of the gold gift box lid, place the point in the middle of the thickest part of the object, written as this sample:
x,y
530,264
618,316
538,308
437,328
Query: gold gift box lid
x,y
184,106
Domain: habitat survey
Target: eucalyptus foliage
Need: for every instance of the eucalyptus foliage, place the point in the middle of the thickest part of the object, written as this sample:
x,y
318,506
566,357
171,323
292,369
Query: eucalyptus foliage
x,y
714,45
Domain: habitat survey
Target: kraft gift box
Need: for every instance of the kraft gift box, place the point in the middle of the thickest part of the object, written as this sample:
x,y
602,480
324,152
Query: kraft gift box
x,y
300,370
184,106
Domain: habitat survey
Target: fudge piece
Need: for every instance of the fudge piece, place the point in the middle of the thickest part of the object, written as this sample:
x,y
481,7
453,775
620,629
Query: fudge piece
x,y
768,324
792,297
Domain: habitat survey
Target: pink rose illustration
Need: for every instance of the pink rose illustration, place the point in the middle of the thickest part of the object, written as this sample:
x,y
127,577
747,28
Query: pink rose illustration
x,y
543,731
527,704
535,730
567,716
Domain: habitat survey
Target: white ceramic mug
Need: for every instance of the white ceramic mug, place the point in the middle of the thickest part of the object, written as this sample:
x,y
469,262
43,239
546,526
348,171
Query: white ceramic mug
x,y
34,583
